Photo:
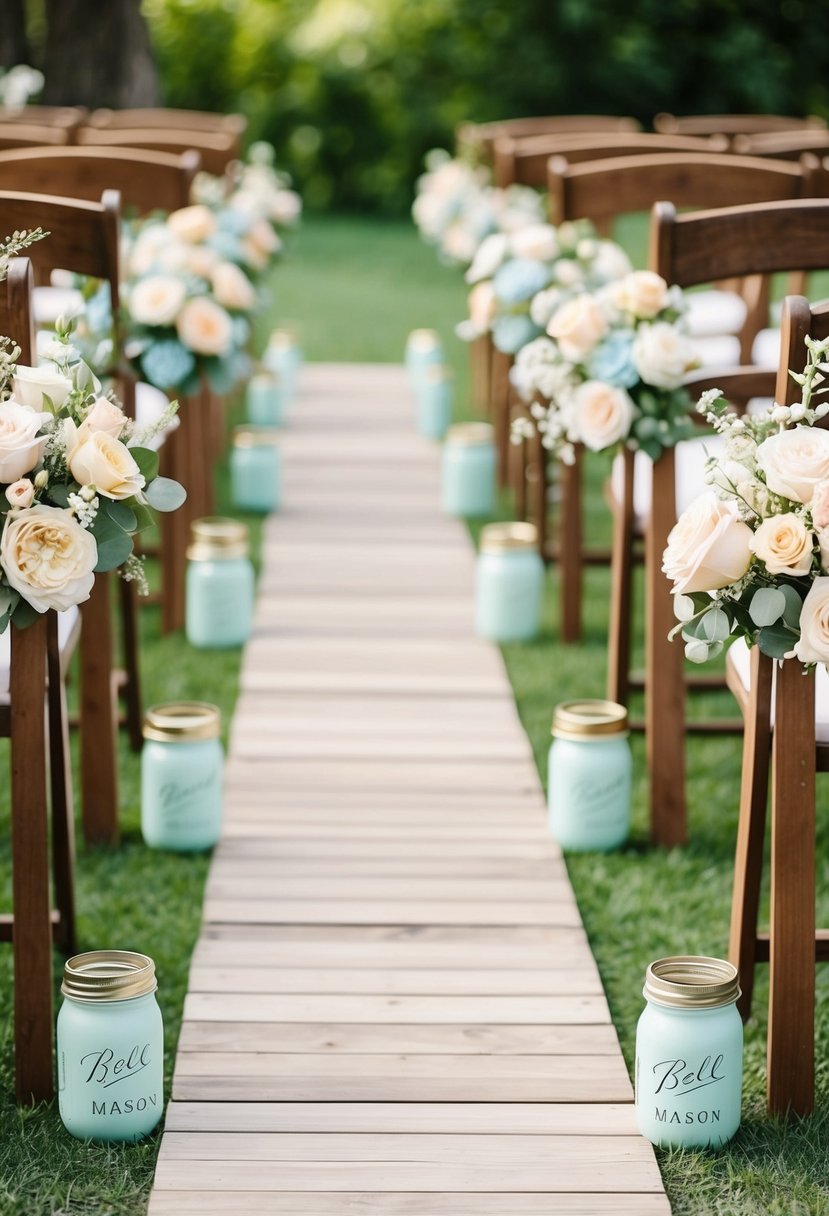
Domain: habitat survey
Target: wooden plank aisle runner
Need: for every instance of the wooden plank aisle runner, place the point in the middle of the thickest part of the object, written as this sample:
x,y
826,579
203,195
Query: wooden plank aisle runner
x,y
393,1008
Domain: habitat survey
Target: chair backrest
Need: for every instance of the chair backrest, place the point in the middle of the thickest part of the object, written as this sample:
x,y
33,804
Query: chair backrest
x,y
798,320
16,316
27,134
730,124
179,120
480,137
524,161
146,181
786,145
68,117
218,149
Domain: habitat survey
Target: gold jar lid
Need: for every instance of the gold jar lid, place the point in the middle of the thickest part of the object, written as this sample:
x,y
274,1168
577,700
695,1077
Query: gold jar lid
x,y
470,433
423,339
108,975
284,338
692,981
216,538
255,436
589,719
496,538
267,378
182,722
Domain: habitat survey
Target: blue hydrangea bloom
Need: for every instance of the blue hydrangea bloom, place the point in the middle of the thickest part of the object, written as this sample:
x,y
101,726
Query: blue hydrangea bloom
x,y
510,333
234,222
612,362
227,245
98,311
167,363
520,280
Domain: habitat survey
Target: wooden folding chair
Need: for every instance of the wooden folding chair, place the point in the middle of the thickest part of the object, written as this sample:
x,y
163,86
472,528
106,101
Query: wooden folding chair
x,y
479,138
218,149
601,191
27,135
698,247
67,118
150,119
39,748
784,145
731,124
784,727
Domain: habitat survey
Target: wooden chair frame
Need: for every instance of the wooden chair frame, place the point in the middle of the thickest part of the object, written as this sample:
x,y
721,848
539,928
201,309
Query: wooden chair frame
x,y
731,124
480,137
26,134
218,149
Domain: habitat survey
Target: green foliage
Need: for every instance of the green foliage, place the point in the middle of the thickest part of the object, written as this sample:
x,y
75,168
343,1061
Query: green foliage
x,y
353,92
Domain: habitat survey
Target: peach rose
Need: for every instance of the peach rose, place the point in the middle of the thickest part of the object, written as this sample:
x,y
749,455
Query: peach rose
x,y
577,326
602,414
642,293
204,327
20,493
192,224
481,303
232,288
795,461
708,547
157,299
813,644
20,446
106,416
48,557
103,462
537,241
784,545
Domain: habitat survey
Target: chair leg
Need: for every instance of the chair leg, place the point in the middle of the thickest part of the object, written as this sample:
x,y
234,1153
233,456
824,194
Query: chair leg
x,y
32,937
539,486
791,1041
175,528
518,478
751,830
479,356
99,718
621,591
570,547
129,643
500,389
60,780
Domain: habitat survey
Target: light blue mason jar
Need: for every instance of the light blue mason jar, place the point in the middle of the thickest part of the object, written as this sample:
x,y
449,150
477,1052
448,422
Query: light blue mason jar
x,y
255,470
423,350
509,583
689,1053
589,776
265,398
468,470
110,1042
182,766
283,357
434,401
219,585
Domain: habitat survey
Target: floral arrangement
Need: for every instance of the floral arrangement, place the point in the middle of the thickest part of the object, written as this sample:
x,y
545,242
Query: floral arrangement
x,y
520,278
260,192
76,484
750,557
609,369
456,206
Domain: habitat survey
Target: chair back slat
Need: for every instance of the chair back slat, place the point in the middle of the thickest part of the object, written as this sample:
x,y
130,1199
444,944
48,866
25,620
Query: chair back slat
x,y
178,120
798,320
68,117
16,318
731,124
27,135
524,161
480,137
783,145
83,236
217,149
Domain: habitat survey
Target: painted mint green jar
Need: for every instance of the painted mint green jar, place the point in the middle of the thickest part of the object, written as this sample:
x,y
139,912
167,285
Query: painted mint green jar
x,y
182,766
468,470
265,400
110,1041
434,401
255,470
219,585
283,357
509,583
589,776
689,1053
423,350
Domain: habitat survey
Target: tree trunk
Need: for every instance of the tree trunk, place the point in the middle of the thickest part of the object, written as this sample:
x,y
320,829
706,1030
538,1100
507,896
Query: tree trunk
x,y
14,45
98,55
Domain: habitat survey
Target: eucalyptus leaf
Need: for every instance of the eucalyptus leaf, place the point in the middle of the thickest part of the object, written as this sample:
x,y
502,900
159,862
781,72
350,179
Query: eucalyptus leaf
x,y
696,651
23,614
794,605
59,493
147,461
776,641
164,494
119,512
113,551
715,626
143,518
767,606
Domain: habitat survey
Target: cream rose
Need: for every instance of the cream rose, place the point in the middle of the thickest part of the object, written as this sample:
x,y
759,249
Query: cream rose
x,y
201,260
253,255
577,326
813,643
795,461
157,300
820,505
537,241
32,384
262,236
106,416
20,493
602,414
481,304
784,545
662,355
48,557
286,207
488,257
708,547
192,224
20,446
232,288
609,262
204,327
642,293
96,459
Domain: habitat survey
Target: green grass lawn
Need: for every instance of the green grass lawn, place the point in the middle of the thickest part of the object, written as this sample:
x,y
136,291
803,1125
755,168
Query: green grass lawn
x,y
355,288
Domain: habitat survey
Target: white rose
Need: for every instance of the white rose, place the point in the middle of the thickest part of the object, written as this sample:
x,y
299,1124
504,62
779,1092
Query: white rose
x,y
48,557
708,547
813,644
820,505
192,224
823,540
661,355
537,241
204,327
795,461
784,544
31,384
20,493
543,305
609,262
96,459
642,293
20,446
157,299
577,326
106,416
232,288
568,273
286,207
488,257
482,306
147,248
602,414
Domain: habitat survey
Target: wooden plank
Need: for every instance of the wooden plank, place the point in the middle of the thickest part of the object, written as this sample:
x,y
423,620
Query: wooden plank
x,y
489,1010
225,865
256,843
398,911
405,747
563,982
507,775
390,890
385,1203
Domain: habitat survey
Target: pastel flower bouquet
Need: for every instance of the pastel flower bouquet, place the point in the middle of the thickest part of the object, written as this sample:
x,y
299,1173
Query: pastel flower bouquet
x,y
76,484
750,557
609,370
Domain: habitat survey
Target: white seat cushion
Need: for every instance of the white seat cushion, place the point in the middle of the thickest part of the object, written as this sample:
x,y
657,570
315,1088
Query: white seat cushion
x,y
739,659
720,350
49,303
766,349
690,457
150,404
712,312
67,622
